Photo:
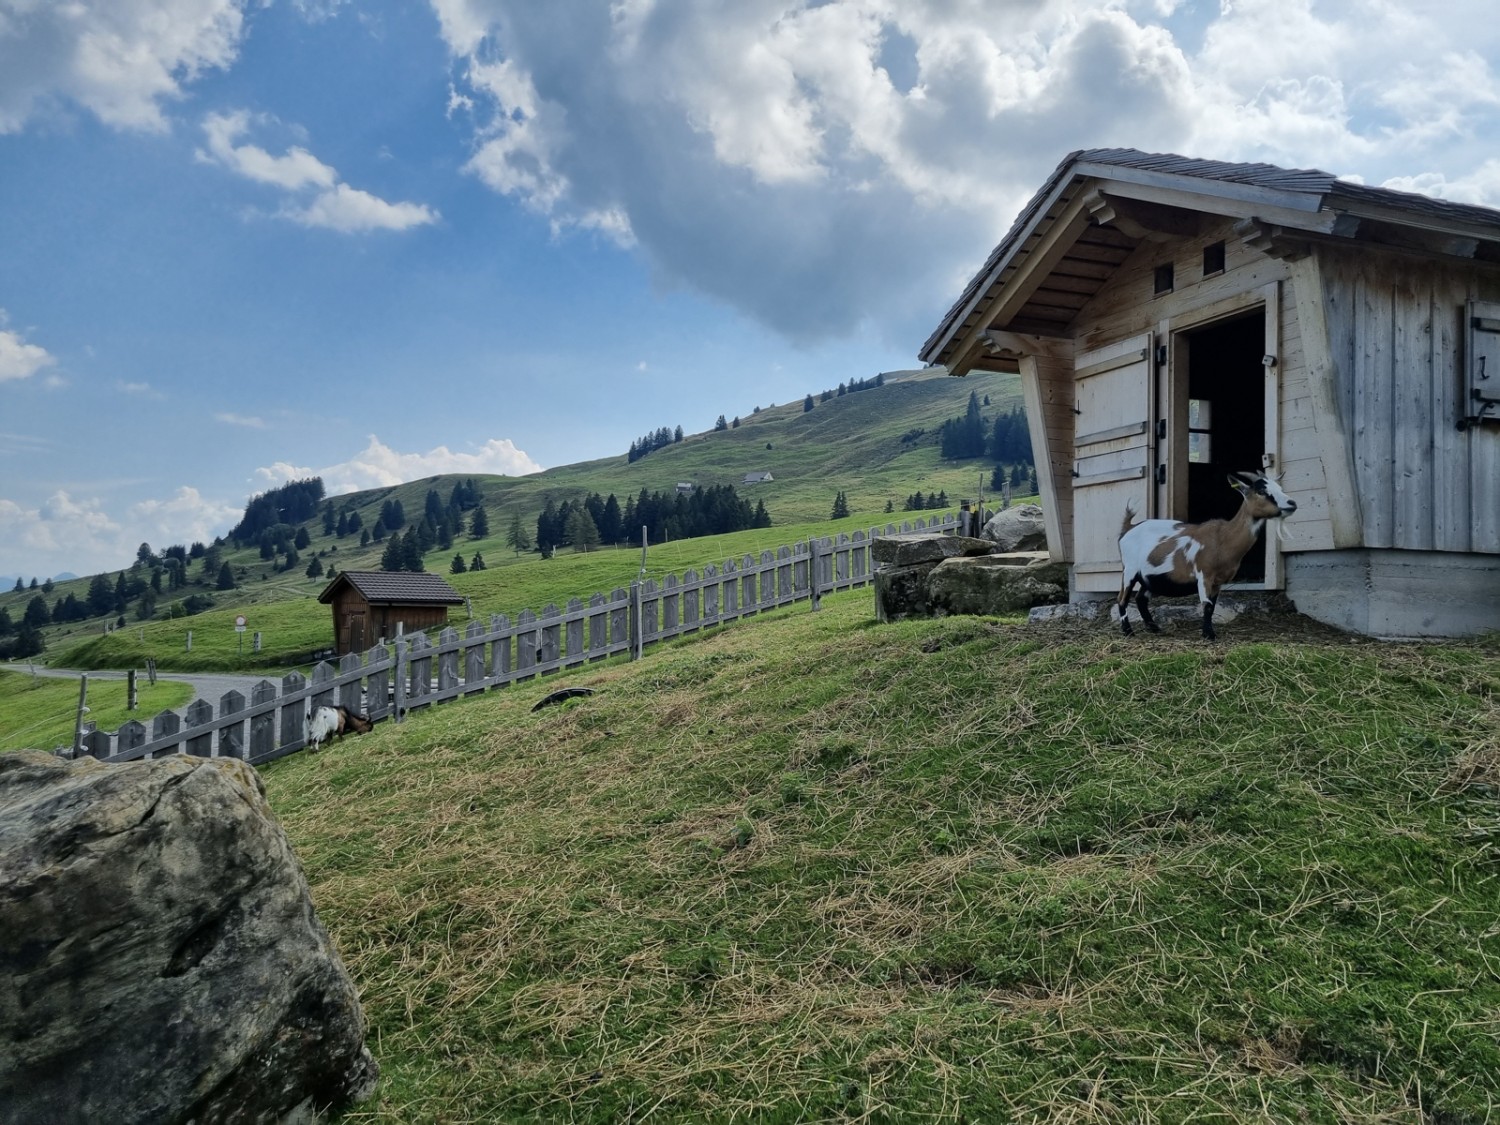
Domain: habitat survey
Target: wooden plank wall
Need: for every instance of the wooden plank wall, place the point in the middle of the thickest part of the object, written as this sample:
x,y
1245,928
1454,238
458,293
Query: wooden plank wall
x,y
1396,331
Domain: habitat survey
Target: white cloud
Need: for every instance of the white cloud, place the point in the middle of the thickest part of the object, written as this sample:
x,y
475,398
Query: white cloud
x,y
118,59
186,517
249,421
80,535
814,165
378,466
18,359
144,390
320,198
297,169
348,209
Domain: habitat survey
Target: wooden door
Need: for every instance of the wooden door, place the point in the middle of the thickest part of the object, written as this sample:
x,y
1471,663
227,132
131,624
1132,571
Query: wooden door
x,y
1111,454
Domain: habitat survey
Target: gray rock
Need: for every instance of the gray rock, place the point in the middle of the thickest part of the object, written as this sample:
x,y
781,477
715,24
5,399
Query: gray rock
x,y
918,547
161,957
1022,528
901,592
1069,611
994,585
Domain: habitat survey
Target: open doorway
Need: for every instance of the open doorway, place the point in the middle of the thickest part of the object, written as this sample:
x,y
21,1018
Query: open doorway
x,y
1226,420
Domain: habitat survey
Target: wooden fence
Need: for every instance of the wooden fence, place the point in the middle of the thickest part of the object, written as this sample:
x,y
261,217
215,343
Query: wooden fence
x,y
389,681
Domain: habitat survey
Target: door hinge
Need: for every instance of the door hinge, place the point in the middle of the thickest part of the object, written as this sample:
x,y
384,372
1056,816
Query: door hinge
x,y
1161,474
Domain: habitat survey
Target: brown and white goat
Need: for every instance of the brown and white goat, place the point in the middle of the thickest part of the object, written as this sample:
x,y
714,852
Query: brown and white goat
x,y
326,722
1177,559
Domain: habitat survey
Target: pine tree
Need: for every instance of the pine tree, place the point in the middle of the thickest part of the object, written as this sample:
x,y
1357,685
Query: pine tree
x,y
479,525
516,536
391,558
315,568
302,540
807,404
330,522
226,577
37,613
457,567
582,532
840,507
478,562
411,551
720,424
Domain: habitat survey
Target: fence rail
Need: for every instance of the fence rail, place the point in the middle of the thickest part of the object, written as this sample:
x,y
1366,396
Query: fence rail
x,y
390,681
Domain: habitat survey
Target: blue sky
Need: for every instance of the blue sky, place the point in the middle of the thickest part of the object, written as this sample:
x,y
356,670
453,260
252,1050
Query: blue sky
x,y
242,241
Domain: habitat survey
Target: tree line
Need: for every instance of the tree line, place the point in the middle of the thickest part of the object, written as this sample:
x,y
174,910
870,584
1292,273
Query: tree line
x,y
596,520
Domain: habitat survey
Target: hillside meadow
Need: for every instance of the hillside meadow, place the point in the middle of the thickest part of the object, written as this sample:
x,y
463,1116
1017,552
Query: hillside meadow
x,y
878,446
291,629
812,868
40,712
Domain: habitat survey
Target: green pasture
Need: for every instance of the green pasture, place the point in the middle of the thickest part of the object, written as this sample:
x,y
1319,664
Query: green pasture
x,y
40,713
811,868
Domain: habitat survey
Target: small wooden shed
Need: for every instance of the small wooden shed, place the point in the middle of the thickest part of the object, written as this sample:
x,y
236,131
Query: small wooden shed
x,y
369,605
1176,319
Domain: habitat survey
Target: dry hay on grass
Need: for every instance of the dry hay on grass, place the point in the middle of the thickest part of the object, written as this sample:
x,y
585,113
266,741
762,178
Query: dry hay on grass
x,y
749,881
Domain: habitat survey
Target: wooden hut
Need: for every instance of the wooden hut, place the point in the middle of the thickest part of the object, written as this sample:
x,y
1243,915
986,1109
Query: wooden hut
x,y
369,605
1175,319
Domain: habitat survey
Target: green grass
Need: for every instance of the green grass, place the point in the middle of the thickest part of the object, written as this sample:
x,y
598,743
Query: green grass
x,y
40,713
853,443
291,629
810,868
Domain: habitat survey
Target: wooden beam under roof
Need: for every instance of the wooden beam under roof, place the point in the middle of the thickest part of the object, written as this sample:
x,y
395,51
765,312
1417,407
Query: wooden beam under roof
x,y
1140,220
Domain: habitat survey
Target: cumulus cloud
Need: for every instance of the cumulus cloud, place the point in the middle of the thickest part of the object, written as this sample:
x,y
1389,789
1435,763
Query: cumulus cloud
x,y
119,61
78,533
378,466
18,359
815,165
317,197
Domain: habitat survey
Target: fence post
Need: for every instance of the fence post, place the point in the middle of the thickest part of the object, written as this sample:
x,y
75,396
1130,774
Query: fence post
x,y
635,620
400,671
83,692
131,700
815,571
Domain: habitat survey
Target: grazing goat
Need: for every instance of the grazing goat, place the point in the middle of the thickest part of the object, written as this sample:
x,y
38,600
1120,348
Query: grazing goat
x,y
1177,559
329,721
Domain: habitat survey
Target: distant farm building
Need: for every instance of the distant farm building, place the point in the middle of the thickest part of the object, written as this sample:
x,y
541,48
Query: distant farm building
x,y
684,486
369,605
757,478
1174,320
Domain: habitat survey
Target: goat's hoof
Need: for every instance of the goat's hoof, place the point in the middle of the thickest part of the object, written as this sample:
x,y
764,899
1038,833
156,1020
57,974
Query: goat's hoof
x,y
1153,626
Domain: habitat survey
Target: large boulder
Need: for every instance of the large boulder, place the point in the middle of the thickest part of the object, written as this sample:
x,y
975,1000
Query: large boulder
x,y
918,548
996,584
1022,528
161,958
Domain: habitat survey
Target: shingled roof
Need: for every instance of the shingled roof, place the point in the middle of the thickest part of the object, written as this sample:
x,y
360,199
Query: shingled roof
x,y
395,587
1326,204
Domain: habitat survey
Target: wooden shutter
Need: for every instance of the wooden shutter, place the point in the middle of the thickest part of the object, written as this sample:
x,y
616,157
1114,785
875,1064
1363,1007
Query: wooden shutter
x,y
1111,454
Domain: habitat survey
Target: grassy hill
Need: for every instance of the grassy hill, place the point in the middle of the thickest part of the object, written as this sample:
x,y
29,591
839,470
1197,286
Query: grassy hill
x,y
875,445
815,869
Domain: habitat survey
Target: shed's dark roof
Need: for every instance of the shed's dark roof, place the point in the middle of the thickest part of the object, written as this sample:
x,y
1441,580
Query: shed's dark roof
x,y
1324,190
395,586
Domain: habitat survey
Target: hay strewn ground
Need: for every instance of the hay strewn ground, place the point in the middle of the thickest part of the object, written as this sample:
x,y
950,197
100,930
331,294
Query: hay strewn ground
x,y
815,869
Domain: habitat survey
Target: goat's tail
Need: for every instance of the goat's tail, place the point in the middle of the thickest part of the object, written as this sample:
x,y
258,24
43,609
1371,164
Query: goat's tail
x,y
1129,518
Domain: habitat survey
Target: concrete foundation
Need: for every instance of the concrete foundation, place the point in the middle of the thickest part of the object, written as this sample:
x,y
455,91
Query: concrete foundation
x,y
1389,593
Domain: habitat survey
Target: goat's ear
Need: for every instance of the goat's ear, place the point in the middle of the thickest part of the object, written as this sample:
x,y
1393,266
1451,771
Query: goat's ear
x,y
1236,483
